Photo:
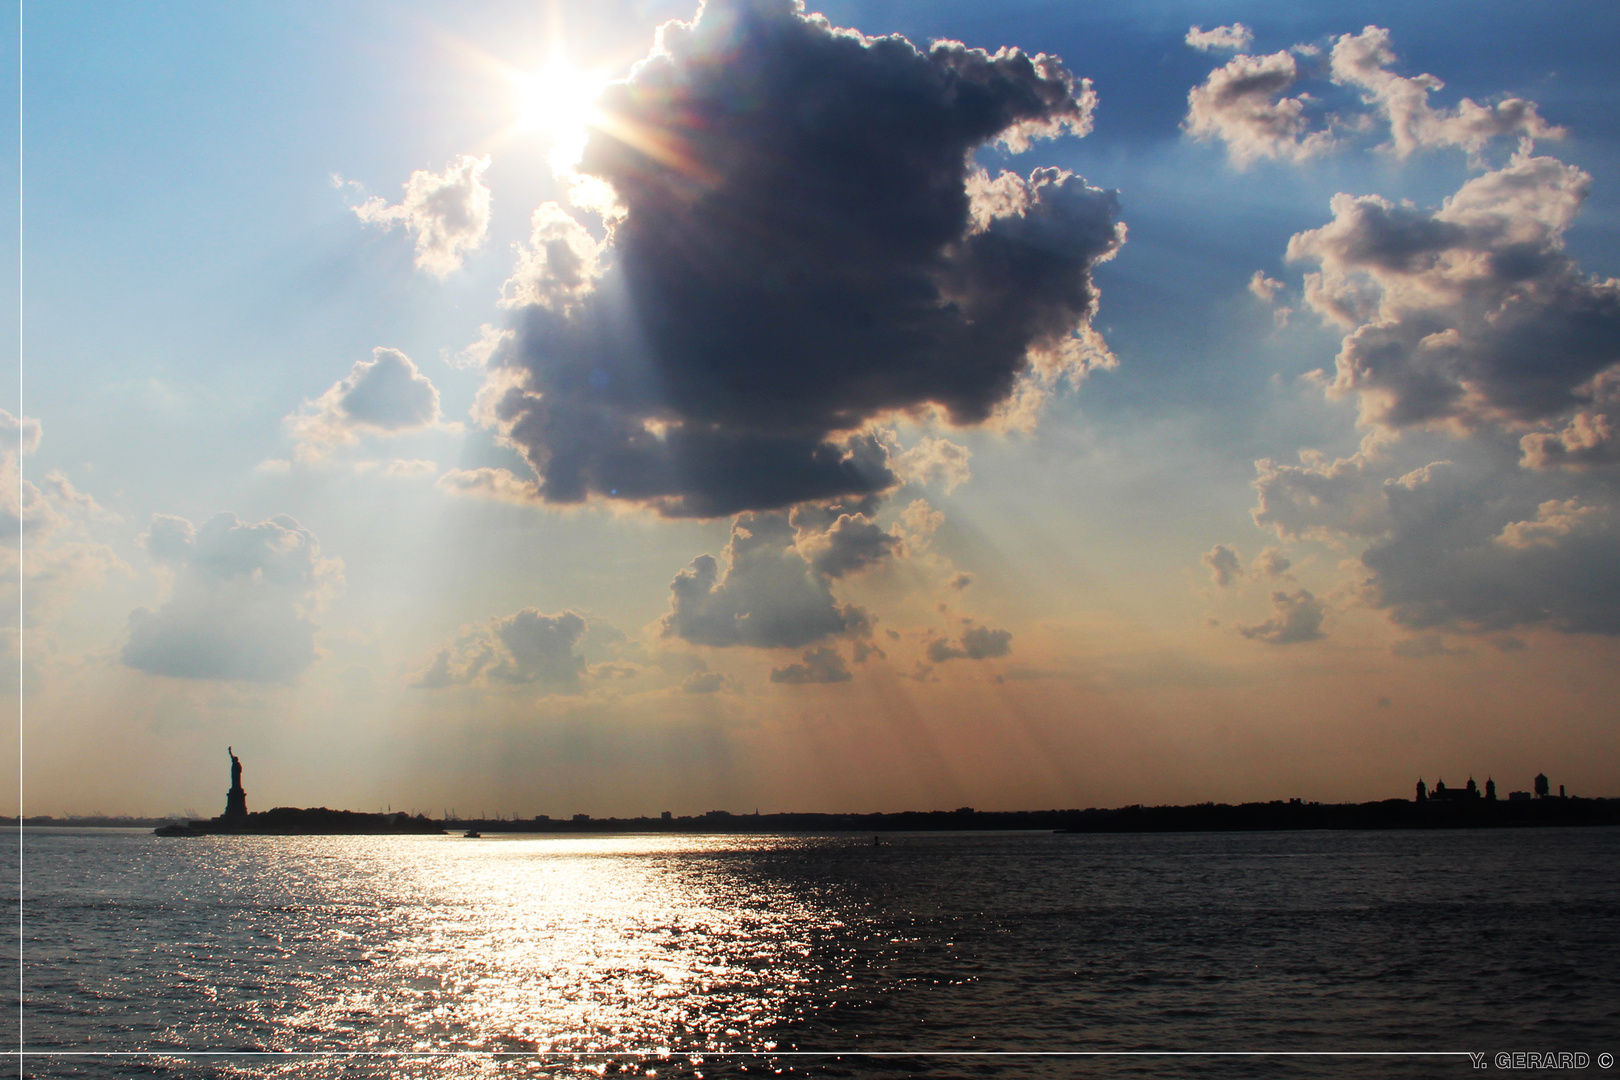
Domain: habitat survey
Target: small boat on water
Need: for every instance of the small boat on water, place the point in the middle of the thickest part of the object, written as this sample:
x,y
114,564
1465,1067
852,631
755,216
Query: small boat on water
x,y
471,834
175,829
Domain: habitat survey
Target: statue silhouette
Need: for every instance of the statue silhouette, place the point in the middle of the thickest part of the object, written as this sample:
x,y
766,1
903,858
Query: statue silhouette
x,y
236,798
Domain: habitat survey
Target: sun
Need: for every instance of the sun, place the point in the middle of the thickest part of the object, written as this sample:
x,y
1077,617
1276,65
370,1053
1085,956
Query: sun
x,y
558,102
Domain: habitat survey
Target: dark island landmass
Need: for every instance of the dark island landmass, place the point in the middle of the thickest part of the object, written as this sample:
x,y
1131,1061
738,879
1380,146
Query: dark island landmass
x,y
1443,808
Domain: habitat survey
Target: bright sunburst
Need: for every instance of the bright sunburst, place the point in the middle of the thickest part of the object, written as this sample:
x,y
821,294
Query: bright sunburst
x,y
558,102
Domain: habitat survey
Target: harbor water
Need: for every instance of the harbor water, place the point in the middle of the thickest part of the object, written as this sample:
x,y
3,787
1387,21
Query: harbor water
x,y
981,954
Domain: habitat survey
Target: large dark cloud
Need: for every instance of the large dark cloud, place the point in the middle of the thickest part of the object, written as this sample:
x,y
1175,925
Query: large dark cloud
x,y
805,244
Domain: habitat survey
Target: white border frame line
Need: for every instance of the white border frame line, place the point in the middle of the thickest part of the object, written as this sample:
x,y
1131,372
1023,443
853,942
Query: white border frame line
x,y
662,1055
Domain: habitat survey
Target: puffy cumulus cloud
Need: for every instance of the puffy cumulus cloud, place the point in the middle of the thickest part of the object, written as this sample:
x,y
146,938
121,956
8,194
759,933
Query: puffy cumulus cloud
x,y
976,643
1223,565
486,482
1468,314
1363,60
524,648
932,460
19,435
1235,36
1481,556
1589,439
1323,499
853,542
1476,547
49,550
820,665
241,603
479,353
1271,563
556,269
704,682
767,596
1244,104
804,248
447,213
1266,288
1295,617
385,395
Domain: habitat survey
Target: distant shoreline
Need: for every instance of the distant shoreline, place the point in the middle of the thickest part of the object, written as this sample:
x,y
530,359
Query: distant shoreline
x,y
1276,816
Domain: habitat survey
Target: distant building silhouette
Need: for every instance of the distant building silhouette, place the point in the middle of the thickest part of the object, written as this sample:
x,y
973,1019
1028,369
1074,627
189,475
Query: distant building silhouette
x,y
1462,794
236,798
1490,790
1422,791
1542,786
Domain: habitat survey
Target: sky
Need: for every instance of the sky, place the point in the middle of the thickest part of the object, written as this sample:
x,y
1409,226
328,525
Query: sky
x,y
612,408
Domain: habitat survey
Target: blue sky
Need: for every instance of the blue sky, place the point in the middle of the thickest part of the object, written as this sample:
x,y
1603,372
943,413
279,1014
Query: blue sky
x,y
230,305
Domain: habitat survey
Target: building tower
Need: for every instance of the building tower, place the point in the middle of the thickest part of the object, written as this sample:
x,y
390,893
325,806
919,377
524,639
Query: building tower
x,y
1490,790
1422,791
1542,786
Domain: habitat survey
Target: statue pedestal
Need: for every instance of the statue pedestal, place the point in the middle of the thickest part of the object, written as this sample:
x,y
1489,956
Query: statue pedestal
x,y
236,803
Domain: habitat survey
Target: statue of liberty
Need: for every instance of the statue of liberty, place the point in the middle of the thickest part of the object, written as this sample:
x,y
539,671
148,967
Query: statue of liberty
x,y
236,798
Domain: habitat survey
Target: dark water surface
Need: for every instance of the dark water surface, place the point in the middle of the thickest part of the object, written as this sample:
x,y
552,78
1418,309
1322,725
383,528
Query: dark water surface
x,y
581,956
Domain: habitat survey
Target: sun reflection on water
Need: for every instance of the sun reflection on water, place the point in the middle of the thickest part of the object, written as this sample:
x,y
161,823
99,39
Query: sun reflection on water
x,y
599,945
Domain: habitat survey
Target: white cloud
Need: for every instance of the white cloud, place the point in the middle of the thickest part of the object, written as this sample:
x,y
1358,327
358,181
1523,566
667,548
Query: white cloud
x,y
49,552
447,214
1266,288
527,648
852,543
1589,439
489,483
1223,565
559,265
385,395
1271,563
1466,315
1235,36
241,604
1322,498
1295,617
1244,104
768,596
524,648
1555,520
932,460
491,340
1362,60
